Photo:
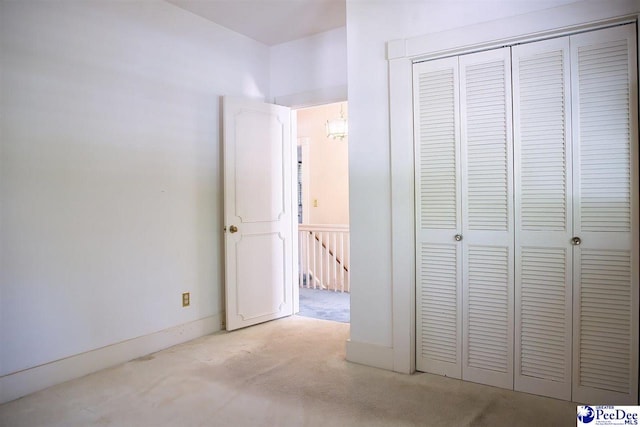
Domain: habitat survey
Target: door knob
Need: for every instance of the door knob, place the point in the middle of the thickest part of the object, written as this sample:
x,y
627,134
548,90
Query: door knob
x,y
458,237
576,241
233,229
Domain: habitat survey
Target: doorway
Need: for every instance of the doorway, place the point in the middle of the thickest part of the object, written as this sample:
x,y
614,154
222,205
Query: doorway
x,y
323,212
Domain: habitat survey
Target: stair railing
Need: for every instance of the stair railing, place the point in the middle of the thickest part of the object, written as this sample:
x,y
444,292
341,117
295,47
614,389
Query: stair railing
x,y
324,256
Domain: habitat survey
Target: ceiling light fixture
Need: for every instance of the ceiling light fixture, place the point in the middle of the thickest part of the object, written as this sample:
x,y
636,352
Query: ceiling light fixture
x,y
337,128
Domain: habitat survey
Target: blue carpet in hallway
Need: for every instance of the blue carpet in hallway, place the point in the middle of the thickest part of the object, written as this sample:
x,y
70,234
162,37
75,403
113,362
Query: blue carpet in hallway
x,y
327,305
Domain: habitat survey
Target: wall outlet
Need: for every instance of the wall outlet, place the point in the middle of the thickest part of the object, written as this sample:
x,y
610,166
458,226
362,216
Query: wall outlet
x,y
315,203
186,299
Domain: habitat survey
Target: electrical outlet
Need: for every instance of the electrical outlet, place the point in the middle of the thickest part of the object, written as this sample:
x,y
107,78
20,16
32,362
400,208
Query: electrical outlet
x,y
315,203
186,299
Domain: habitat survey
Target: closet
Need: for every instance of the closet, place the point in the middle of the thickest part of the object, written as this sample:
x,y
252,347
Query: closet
x,y
526,180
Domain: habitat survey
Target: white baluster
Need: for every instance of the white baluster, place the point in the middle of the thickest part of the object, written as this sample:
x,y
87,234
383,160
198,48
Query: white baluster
x,y
304,249
348,262
312,236
325,262
300,258
334,263
320,237
308,256
342,262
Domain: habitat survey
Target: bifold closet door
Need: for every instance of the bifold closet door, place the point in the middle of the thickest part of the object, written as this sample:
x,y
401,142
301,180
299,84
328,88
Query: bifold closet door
x,y
464,217
605,167
487,217
438,217
543,217
531,280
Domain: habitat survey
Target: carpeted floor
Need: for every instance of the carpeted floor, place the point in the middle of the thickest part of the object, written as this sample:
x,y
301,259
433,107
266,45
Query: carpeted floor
x,y
289,372
327,305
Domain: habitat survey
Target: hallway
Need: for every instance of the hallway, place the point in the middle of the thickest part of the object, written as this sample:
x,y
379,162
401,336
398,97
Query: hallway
x,y
325,304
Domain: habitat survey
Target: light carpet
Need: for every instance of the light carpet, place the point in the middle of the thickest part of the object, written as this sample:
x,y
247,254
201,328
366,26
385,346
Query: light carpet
x,y
289,372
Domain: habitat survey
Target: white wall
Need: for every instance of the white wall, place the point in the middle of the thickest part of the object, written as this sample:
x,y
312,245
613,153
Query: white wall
x,y
327,168
369,26
315,65
110,173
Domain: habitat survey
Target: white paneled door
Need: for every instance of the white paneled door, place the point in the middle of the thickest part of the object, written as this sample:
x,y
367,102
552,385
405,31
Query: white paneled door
x,y
258,212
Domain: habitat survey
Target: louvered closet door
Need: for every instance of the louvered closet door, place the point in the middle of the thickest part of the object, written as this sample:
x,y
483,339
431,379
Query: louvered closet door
x,y
486,155
438,217
543,217
605,363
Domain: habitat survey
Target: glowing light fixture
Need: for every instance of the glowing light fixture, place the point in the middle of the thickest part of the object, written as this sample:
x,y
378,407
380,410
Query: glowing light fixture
x,y
337,128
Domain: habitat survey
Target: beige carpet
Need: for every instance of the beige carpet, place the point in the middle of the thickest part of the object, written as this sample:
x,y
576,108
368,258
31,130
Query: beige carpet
x,y
290,372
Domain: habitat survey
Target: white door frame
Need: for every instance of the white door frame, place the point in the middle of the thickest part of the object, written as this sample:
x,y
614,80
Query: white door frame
x,y
401,55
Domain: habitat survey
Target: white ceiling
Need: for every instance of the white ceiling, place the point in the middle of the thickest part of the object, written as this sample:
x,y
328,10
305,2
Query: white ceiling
x,y
271,21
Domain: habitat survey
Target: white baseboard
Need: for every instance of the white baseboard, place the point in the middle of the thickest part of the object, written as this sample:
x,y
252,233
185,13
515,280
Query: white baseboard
x,y
370,355
16,385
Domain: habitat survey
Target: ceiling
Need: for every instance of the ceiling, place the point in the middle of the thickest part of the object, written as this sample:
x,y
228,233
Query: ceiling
x,y
271,22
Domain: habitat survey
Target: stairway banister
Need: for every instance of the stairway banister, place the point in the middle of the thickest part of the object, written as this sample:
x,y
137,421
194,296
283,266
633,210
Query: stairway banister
x,y
324,227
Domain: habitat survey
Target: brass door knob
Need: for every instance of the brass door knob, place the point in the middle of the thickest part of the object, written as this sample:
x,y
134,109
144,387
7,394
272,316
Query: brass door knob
x,y
233,229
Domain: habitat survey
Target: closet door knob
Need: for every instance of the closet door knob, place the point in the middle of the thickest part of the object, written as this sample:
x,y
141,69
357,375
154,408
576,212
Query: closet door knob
x,y
576,241
458,237
233,229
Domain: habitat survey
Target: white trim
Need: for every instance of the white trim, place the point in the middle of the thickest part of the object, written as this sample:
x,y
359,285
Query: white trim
x,y
402,216
312,98
16,385
370,355
306,177
547,23
324,227
295,295
562,20
396,49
